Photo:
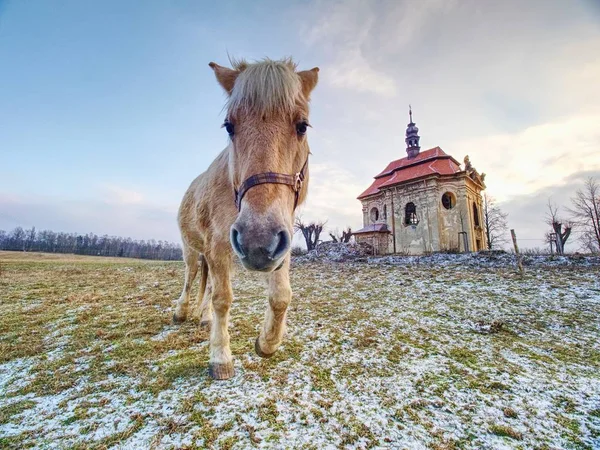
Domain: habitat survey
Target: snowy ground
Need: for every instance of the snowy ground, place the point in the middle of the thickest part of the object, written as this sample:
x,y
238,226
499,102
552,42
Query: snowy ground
x,y
442,352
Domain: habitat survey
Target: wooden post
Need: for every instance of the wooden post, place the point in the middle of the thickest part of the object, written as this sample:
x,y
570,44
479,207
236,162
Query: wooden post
x,y
519,262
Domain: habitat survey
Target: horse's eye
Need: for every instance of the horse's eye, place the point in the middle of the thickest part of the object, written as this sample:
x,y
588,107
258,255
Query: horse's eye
x,y
229,128
301,128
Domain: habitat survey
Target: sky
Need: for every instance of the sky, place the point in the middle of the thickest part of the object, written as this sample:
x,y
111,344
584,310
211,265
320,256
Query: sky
x,y
108,110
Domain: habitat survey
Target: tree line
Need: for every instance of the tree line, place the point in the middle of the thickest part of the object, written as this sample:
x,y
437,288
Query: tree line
x,y
31,240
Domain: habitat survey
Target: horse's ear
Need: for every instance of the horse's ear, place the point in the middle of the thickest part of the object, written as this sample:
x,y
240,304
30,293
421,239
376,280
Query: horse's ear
x,y
225,76
309,80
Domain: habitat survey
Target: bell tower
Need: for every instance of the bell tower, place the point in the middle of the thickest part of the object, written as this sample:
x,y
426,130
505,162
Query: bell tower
x,y
412,137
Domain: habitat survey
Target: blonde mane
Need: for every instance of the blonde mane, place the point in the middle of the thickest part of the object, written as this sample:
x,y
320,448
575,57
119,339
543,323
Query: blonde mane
x,y
265,87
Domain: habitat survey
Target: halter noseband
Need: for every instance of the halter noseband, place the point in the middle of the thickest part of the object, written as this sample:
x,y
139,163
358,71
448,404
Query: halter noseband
x,y
295,181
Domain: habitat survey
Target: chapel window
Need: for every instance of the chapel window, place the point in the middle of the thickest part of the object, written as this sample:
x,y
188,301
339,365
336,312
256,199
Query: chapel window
x,y
410,214
374,215
448,200
475,214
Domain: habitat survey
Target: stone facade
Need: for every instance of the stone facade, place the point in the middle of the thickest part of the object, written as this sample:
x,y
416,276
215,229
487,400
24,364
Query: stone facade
x,y
427,204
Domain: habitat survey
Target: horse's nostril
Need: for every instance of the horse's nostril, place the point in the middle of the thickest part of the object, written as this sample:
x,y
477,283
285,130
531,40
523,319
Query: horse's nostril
x,y
235,239
282,245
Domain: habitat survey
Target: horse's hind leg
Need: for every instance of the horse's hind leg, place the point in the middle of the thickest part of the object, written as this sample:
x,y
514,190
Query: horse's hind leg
x,y
280,295
203,305
190,257
206,310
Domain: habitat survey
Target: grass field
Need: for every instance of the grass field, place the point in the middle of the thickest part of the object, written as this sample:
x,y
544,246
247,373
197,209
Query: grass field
x,y
376,356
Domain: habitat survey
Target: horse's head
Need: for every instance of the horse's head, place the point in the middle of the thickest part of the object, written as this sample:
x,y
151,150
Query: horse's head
x,y
267,120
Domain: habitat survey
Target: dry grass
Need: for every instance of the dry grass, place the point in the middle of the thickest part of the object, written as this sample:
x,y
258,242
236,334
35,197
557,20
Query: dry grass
x,y
376,356
7,256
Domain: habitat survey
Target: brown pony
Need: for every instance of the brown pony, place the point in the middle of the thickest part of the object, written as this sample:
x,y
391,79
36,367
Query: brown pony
x,y
244,203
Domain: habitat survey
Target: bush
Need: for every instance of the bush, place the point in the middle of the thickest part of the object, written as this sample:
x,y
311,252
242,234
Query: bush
x,y
298,251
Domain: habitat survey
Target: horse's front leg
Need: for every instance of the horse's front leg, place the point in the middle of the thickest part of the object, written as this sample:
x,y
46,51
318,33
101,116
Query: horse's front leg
x,y
221,362
280,295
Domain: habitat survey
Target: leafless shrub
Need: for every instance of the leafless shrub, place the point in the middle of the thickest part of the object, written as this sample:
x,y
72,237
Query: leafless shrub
x,y
536,251
343,237
298,251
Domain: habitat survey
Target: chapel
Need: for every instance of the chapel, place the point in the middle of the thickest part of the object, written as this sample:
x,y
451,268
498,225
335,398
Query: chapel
x,y
423,203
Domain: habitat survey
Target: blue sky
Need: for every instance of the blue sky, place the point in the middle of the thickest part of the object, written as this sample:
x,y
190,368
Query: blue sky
x,y
108,109
114,92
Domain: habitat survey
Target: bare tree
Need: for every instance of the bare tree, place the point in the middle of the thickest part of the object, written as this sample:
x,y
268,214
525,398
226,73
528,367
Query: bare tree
x,y
494,221
29,239
585,212
310,231
561,232
344,237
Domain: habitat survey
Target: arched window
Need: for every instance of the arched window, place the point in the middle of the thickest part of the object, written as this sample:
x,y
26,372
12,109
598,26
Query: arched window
x,y
374,215
475,214
410,214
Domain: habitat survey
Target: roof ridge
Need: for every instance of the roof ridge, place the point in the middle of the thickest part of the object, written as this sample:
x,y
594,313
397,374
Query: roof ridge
x,y
397,173
415,163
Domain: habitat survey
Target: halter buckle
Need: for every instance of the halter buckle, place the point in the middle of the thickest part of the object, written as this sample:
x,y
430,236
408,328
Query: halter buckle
x,y
298,178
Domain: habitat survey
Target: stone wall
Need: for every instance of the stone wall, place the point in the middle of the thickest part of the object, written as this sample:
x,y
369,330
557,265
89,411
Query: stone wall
x,y
379,242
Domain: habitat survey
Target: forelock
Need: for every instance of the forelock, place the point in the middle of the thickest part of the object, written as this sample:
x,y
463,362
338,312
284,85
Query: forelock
x,y
265,87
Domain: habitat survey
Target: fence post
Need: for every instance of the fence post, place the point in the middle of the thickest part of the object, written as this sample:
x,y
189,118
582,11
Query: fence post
x,y
465,241
519,262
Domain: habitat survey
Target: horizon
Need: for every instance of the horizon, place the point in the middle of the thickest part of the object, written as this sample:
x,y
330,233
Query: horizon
x,y
110,110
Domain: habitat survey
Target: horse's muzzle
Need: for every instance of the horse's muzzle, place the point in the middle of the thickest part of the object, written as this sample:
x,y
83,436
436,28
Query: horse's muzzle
x,y
260,251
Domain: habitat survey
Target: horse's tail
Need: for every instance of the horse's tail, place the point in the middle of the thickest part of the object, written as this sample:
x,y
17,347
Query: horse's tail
x,y
203,278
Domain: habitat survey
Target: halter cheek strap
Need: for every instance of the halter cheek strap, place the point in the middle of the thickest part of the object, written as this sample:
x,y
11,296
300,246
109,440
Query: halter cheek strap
x,y
295,181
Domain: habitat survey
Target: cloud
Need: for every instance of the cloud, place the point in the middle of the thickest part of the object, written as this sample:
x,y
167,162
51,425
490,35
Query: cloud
x,y
353,72
340,30
122,196
536,157
332,197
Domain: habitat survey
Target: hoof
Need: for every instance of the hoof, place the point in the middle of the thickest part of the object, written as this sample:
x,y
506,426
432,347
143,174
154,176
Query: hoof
x,y
221,371
205,324
177,320
259,352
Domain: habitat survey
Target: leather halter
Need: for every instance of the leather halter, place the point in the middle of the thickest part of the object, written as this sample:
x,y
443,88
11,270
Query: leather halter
x,y
295,181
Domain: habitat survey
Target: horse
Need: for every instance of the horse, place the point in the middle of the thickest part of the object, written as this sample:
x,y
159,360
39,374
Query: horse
x,y
244,203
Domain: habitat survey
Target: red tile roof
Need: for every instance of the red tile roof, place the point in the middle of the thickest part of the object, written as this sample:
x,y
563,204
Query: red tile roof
x,y
430,162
